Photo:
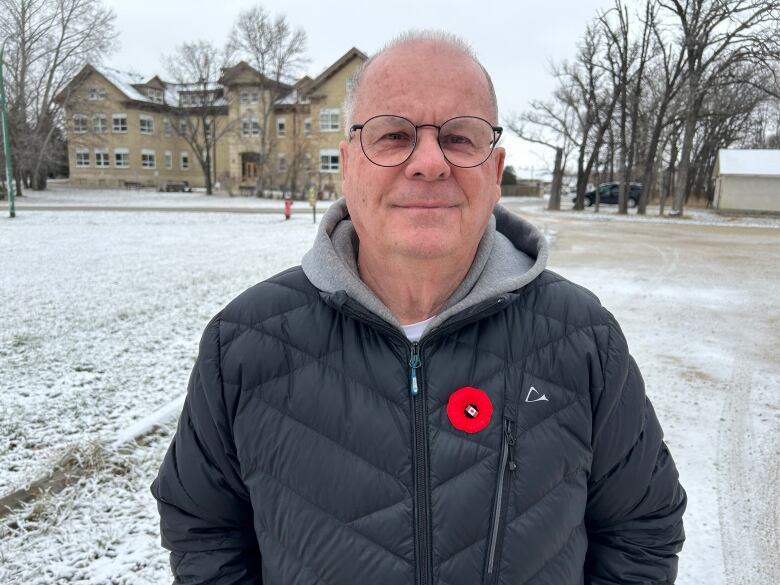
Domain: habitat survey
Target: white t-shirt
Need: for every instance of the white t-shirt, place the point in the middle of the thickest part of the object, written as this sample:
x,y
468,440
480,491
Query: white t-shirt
x,y
415,330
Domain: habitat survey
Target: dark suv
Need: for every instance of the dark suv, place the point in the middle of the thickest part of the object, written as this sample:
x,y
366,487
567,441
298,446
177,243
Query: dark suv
x,y
608,193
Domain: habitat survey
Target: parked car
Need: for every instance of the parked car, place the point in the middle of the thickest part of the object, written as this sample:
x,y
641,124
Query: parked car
x,y
609,192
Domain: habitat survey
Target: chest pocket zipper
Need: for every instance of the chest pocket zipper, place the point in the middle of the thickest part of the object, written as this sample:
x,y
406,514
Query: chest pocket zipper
x,y
506,469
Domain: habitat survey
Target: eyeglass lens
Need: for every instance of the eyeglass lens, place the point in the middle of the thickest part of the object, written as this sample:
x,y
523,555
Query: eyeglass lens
x,y
390,140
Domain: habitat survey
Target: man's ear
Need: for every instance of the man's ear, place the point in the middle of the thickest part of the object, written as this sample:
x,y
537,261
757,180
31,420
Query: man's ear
x,y
499,155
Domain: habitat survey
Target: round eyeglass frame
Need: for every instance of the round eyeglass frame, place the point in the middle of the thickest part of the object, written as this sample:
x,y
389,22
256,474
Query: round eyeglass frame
x,y
497,131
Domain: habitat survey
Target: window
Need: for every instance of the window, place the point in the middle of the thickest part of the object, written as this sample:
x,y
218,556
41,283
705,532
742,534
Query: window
x,y
329,160
99,123
249,96
101,157
282,163
82,157
208,128
148,159
281,127
167,127
350,83
307,126
119,123
184,160
250,127
193,99
121,158
146,124
183,126
306,161
329,120
79,123
156,95
97,93
168,160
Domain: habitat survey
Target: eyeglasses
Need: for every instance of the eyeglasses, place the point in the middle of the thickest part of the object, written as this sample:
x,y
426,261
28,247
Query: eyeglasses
x,y
389,141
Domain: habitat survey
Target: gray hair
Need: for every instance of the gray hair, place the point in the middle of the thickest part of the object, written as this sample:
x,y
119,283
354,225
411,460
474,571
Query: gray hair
x,y
450,40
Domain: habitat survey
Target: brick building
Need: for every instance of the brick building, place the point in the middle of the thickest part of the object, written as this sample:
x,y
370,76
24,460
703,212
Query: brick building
x,y
123,130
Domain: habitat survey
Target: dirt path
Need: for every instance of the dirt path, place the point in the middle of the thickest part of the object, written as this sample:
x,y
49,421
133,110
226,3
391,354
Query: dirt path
x,y
702,301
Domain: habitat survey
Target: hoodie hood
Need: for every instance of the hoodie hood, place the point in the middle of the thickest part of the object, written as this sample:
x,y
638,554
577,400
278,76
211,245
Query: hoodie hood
x,y
511,254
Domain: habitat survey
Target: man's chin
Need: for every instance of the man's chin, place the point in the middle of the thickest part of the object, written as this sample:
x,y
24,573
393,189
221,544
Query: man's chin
x,y
433,244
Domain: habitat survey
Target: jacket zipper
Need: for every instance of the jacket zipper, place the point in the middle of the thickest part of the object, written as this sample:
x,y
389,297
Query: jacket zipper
x,y
424,569
422,535
507,466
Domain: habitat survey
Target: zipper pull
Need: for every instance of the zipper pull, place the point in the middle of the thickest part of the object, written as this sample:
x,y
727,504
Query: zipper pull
x,y
510,441
414,363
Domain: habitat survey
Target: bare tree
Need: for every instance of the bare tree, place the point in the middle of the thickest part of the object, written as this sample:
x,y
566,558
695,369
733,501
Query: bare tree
x,y
549,124
51,40
277,52
200,116
717,36
664,82
586,87
629,57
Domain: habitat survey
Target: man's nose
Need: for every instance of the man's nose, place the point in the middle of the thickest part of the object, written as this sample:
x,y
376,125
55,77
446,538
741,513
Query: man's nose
x,y
427,161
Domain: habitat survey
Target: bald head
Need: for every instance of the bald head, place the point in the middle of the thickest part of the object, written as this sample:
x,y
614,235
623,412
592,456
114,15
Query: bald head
x,y
416,48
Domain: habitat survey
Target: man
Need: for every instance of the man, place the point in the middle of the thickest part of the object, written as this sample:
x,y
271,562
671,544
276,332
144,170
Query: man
x,y
421,402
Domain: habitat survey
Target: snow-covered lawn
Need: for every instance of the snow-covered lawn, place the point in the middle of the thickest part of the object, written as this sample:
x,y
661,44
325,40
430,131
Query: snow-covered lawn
x,y
103,313
102,317
62,195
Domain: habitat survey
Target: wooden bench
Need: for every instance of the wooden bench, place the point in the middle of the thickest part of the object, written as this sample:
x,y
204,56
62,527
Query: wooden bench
x,y
132,185
247,190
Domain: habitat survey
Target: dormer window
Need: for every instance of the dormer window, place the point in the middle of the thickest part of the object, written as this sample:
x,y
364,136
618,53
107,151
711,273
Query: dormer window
x,y
156,95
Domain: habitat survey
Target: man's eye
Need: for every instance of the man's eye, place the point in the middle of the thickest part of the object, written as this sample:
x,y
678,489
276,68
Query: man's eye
x,y
455,139
395,136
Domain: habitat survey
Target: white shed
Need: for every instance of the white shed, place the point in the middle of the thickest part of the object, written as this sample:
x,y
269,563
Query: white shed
x,y
747,180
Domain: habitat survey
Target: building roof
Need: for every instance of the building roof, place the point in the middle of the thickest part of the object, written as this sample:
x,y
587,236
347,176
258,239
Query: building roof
x,y
124,82
765,163
131,85
353,53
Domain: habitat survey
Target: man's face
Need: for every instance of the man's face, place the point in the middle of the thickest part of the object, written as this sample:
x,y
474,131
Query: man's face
x,y
425,208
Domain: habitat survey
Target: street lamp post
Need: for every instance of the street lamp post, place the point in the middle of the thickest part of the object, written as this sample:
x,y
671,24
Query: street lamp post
x,y
9,169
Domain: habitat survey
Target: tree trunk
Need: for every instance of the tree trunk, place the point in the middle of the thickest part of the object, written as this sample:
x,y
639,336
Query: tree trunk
x,y
691,115
582,179
668,184
40,180
648,176
555,190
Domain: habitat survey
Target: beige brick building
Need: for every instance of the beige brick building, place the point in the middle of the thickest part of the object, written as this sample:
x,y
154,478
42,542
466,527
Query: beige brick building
x,y
124,131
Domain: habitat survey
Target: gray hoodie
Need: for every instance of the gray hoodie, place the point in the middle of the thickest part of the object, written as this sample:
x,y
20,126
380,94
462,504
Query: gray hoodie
x,y
511,254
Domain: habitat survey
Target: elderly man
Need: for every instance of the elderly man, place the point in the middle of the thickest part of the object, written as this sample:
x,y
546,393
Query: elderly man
x,y
420,402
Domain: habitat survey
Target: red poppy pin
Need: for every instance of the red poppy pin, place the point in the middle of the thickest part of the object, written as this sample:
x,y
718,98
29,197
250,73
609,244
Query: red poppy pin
x,y
469,409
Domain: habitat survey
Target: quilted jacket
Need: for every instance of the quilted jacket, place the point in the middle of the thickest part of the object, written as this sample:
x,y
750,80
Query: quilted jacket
x,y
315,447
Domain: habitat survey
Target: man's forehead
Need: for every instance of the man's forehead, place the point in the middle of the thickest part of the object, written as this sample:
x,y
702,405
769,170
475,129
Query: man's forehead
x,y
425,79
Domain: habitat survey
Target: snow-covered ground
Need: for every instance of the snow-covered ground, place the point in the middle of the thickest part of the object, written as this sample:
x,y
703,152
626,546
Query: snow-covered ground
x,y
103,312
60,194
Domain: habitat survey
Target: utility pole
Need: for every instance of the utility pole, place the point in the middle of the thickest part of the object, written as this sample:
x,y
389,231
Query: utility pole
x,y
9,170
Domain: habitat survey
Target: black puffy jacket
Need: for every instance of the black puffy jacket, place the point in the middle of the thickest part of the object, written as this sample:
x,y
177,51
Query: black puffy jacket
x,y
302,457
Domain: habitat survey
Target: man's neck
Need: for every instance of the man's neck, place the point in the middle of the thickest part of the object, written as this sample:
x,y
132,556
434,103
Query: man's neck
x,y
413,289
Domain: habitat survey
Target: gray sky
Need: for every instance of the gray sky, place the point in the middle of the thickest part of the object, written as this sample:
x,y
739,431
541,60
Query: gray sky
x,y
514,40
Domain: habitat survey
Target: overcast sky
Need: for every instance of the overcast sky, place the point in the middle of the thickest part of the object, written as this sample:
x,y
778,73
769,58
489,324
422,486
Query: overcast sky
x,y
514,40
